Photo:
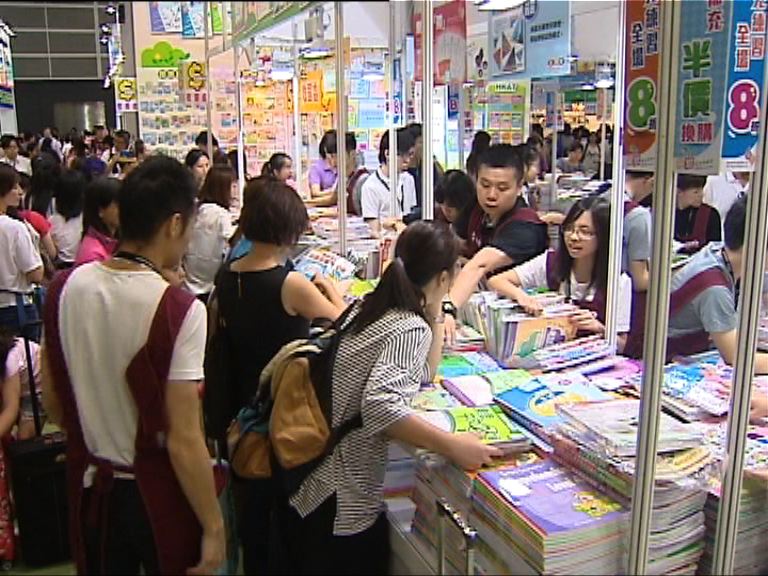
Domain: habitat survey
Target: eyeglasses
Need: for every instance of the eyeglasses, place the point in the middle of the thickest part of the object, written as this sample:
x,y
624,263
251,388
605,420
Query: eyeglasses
x,y
584,233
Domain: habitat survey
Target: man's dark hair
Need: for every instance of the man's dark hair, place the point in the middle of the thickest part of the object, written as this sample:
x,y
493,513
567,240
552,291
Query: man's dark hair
x,y
153,192
6,139
503,156
575,147
416,129
124,134
350,142
405,142
690,181
735,222
70,194
202,139
638,174
274,213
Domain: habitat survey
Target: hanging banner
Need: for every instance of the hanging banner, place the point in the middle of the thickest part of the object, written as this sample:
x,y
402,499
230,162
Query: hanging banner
x,y
250,18
641,88
533,40
702,68
193,19
450,42
746,62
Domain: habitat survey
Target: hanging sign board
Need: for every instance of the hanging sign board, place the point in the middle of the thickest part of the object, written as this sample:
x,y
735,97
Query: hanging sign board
x,y
746,62
702,70
641,89
125,95
532,41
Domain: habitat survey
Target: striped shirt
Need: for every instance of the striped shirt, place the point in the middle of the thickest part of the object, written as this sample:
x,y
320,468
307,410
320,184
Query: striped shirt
x,y
377,372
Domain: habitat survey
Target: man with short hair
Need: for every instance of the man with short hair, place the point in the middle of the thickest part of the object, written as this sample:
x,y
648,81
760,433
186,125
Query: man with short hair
x,y
503,230
696,222
123,365
10,145
219,156
376,195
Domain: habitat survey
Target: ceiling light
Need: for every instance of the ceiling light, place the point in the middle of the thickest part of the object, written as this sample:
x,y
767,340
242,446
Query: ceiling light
x,y
498,5
315,52
111,10
103,40
604,83
106,29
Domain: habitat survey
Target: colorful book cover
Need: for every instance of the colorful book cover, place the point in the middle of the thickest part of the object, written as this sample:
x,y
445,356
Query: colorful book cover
x,y
488,421
536,401
466,364
325,263
433,399
554,499
611,427
507,380
470,390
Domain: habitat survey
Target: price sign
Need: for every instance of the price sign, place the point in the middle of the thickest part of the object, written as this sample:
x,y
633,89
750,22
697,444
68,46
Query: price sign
x,y
746,62
125,95
642,73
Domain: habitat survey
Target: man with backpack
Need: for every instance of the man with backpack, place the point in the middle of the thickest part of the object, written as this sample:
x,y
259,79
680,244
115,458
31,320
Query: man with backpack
x,y
123,360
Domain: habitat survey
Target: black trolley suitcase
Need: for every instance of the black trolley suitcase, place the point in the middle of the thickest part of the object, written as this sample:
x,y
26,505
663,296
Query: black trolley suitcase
x,y
38,481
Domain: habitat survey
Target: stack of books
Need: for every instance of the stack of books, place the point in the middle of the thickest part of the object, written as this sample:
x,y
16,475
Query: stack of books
x,y
479,390
400,475
533,404
751,550
489,422
610,428
438,480
551,518
585,355
677,519
325,263
467,340
510,332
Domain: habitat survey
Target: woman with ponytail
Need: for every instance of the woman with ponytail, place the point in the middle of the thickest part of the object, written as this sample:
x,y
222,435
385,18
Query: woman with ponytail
x,y
390,344
280,167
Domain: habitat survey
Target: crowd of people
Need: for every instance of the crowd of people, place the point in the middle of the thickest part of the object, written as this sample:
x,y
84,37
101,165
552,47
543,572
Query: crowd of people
x,y
130,248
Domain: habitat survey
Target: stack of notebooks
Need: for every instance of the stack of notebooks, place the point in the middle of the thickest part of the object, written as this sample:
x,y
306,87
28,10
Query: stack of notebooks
x,y
466,364
479,389
590,354
550,517
489,422
533,404
510,332
400,475
599,441
751,549
467,340
438,480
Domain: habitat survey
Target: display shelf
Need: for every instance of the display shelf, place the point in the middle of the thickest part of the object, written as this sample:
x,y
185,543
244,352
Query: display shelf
x,y
407,555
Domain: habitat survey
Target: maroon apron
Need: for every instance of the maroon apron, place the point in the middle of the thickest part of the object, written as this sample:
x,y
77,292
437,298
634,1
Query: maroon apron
x,y
351,208
596,305
478,236
176,530
700,225
696,342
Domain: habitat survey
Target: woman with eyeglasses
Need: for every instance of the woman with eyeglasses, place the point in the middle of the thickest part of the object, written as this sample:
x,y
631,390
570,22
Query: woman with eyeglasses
x,y
578,269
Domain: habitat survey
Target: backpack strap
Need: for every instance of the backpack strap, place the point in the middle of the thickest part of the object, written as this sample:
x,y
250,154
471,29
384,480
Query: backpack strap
x,y
695,286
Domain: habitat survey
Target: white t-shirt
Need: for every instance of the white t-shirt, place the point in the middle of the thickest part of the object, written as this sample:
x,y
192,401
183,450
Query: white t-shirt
x,y
66,235
105,318
18,256
208,247
722,191
376,197
533,274
21,164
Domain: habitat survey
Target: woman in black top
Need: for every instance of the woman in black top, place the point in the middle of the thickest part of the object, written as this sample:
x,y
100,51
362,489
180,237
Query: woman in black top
x,y
265,305
696,223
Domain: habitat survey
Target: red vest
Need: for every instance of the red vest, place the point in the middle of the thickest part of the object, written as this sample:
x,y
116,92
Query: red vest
x,y
351,183
477,235
700,225
596,305
176,530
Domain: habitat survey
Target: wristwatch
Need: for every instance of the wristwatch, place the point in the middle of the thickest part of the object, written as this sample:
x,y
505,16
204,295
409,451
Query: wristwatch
x,y
449,308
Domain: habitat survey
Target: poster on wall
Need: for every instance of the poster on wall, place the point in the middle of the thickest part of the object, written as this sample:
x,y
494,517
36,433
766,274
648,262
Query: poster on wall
x,y
165,17
508,110
477,58
641,82
533,40
193,19
702,69
508,43
450,42
746,62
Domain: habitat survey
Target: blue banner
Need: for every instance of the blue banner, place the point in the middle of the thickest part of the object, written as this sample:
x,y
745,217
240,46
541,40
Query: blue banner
x,y
746,62
532,41
702,70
